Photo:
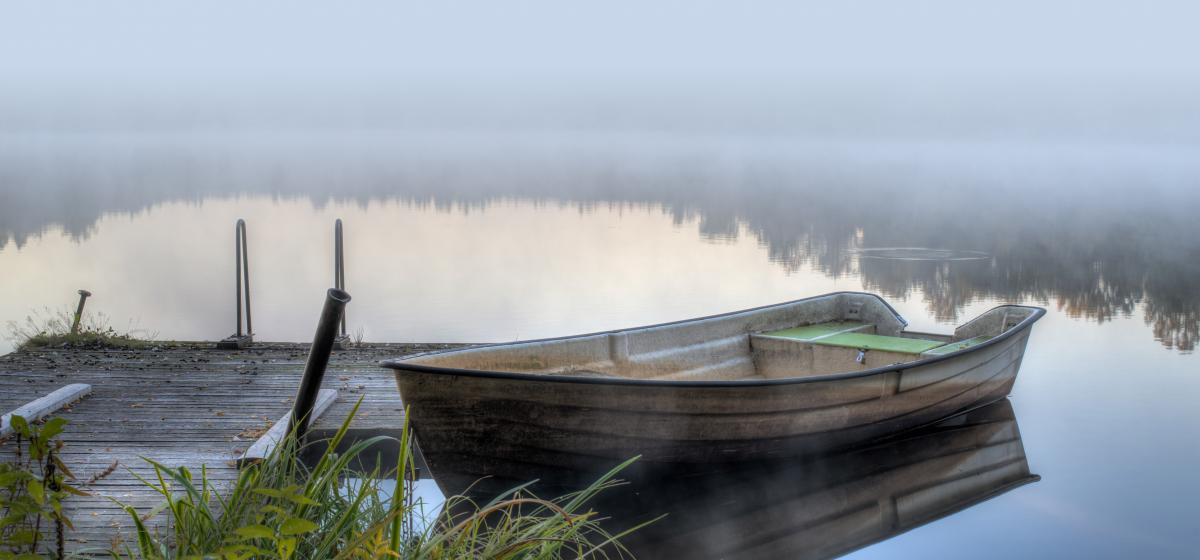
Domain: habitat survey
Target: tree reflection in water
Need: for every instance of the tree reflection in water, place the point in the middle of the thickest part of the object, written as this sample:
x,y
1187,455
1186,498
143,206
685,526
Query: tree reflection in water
x,y
1095,235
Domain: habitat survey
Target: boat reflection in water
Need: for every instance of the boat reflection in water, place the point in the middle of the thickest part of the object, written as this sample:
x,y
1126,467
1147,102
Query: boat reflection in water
x,y
814,508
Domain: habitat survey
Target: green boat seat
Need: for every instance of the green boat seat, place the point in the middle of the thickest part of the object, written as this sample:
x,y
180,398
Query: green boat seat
x,y
864,341
809,333
956,346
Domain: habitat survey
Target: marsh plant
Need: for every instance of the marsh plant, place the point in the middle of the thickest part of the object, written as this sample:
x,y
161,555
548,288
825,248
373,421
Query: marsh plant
x,y
52,328
32,490
282,508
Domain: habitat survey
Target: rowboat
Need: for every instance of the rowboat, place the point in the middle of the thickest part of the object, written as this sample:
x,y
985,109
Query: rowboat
x,y
783,380
818,508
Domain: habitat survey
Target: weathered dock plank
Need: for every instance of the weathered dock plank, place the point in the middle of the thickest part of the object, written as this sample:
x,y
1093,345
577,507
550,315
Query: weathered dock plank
x,y
183,404
44,406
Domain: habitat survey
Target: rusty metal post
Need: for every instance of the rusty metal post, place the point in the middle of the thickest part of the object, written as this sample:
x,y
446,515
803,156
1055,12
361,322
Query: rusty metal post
x,y
83,295
318,359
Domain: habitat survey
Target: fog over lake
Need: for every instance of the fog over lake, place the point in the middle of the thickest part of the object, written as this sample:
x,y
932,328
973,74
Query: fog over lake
x,y
538,169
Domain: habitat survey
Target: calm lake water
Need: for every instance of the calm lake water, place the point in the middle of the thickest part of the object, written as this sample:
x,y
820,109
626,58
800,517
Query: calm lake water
x,y
486,237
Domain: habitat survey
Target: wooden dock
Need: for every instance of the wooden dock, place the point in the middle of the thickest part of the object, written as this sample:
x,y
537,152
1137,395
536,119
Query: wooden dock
x,y
183,404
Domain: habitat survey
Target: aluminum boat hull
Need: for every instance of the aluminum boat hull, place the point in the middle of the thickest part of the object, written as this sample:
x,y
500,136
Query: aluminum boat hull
x,y
553,418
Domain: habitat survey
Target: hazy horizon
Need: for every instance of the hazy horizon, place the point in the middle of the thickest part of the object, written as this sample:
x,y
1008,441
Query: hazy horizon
x,y
1081,71
154,41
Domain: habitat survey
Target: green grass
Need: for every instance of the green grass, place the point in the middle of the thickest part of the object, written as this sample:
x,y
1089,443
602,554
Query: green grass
x,y
52,329
281,508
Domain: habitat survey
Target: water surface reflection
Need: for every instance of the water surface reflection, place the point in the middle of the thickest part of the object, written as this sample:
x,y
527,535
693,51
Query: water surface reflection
x,y
471,237
817,508
1098,231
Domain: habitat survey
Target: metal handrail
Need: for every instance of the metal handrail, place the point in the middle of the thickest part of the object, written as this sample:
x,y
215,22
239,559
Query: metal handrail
x,y
339,265
242,266
241,285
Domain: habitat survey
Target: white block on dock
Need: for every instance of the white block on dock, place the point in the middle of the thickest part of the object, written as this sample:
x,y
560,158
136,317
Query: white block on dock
x,y
263,445
45,406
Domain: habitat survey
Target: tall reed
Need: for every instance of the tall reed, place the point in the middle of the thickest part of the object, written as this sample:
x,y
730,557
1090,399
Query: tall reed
x,y
281,508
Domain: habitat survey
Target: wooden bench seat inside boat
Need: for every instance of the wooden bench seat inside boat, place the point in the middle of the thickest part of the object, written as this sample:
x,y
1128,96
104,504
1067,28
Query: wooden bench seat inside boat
x,y
863,341
956,346
822,330
833,347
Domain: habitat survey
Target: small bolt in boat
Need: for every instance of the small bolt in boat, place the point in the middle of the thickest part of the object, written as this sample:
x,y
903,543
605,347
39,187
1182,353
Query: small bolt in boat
x,y
783,380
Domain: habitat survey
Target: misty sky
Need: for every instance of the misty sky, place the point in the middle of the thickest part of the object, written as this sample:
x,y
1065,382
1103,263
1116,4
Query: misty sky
x,y
1121,70
156,41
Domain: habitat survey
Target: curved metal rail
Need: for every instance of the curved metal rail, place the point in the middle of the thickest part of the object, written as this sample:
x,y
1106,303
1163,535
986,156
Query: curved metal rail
x,y
339,265
241,258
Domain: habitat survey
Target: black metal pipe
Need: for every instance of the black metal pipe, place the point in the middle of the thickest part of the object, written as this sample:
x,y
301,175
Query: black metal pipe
x,y
83,295
318,359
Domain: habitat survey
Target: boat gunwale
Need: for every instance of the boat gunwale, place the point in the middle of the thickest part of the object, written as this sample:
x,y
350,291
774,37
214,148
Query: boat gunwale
x,y
399,364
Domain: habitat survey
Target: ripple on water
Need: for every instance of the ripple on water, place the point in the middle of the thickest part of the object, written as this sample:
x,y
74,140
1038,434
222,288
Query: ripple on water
x,y
921,254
